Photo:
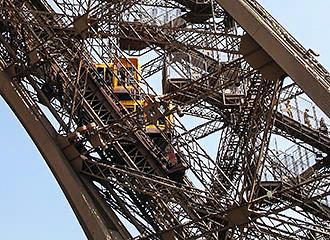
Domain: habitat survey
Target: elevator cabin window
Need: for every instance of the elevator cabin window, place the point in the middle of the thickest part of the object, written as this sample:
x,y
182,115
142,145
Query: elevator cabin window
x,y
126,76
100,70
106,74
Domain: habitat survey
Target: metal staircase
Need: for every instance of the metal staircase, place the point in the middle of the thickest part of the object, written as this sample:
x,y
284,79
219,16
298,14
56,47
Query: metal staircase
x,y
302,132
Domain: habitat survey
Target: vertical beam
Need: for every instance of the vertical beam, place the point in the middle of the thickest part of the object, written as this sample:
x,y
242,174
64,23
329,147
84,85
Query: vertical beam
x,y
44,136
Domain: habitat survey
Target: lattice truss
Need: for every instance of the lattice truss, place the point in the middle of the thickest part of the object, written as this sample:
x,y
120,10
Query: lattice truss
x,y
196,53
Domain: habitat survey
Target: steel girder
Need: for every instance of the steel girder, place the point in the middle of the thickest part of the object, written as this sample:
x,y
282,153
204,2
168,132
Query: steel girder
x,y
223,197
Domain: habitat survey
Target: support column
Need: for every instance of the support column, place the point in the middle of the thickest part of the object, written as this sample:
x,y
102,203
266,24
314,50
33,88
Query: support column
x,y
45,138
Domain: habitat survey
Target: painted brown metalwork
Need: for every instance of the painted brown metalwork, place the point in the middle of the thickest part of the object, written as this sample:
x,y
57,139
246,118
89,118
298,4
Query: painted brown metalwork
x,y
136,163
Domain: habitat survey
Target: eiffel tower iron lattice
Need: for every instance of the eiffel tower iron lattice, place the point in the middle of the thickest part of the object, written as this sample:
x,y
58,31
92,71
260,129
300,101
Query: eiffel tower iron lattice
x,y
136,163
